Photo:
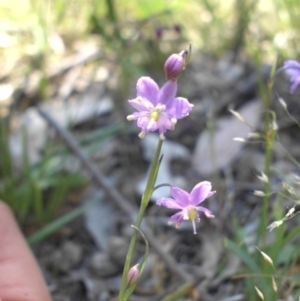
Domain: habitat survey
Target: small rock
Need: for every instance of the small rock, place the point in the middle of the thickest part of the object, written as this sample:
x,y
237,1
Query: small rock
x,y
102,266
68,256
117,250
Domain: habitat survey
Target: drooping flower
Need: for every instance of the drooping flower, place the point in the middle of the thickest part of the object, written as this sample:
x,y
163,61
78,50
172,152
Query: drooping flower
x,y
292,68
158,109
188,203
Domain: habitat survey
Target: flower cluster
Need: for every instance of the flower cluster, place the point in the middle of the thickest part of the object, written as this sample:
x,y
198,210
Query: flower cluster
x,y
159,109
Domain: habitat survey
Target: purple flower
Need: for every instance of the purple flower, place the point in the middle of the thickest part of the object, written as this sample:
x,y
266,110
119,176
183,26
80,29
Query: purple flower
x,y
133,274
188,203
292,68
158,109
175,64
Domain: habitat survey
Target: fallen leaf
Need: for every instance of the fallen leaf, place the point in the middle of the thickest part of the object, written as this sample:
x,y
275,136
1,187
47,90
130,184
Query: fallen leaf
x,y
216,150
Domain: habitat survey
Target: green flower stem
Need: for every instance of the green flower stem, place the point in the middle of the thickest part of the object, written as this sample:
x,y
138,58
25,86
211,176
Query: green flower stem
x,y
144,202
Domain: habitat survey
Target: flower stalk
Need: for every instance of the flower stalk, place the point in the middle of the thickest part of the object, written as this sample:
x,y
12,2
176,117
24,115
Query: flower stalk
x,y
145,200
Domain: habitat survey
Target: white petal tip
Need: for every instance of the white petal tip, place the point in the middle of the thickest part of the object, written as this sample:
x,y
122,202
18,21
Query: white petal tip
x,y
142,134
130,117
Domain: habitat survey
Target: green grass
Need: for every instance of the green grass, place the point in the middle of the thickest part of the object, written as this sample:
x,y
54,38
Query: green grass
x,y
37,192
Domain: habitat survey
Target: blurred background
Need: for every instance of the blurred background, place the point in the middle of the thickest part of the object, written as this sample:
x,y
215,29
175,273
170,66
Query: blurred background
x,y
70,67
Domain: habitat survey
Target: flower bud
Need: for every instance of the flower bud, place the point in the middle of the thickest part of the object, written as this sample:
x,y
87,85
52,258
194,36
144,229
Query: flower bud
x,y
259,193
133,274
174,65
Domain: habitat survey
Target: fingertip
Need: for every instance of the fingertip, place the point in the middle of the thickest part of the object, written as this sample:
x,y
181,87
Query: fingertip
x,y
20,276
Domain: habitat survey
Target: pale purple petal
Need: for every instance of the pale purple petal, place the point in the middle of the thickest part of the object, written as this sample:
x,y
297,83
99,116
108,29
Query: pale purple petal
x,y
181,196
137,115
147,88
141,104
167,92
147,124
206,211
177,218
165,123
201,192
179,108
152,125
295,84
169,203
292,68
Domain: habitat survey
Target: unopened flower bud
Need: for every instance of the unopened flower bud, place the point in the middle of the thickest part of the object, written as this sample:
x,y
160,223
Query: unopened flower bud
x,y
263,178
290,212
282,103
174,65
274,125
275,225
237,115
238,139
266,257
254,135
259,193
260,294
133,274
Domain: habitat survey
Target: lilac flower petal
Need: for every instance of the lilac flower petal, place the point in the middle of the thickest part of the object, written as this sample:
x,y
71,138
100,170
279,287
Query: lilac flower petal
x,y
292,68
200,192
147,88
165,123
179,108
181,196
292,64
152,125
167,92
147,124
295,84
169,203
206,211
141,104
137,115
177,217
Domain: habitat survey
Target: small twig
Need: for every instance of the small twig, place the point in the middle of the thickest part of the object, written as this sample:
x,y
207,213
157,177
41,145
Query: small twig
x,y
120,201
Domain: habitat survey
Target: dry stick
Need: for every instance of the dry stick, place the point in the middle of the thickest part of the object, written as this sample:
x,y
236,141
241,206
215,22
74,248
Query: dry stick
x,y
123,203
